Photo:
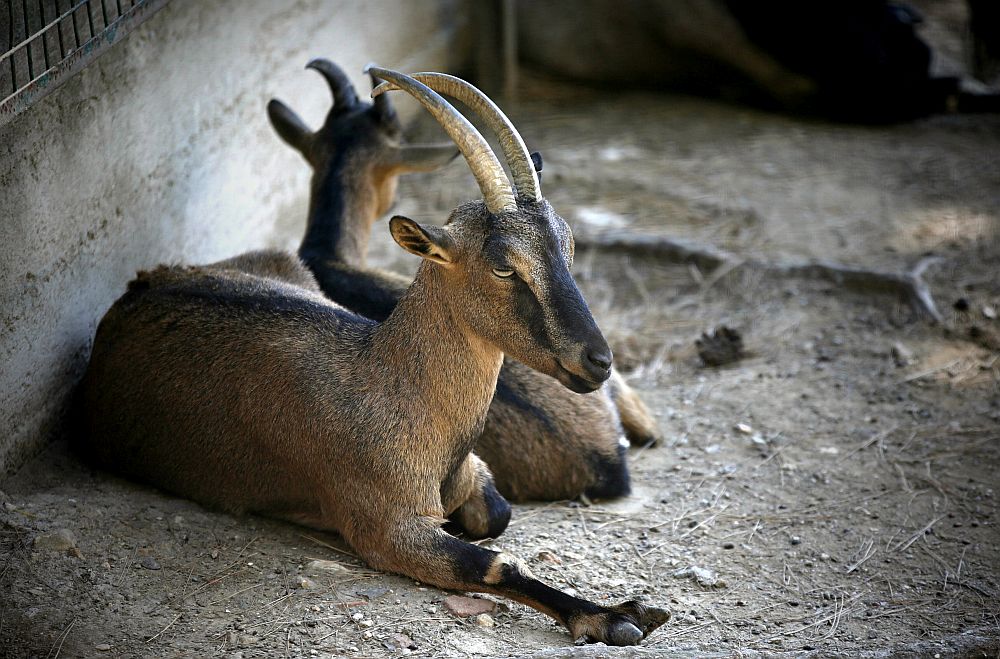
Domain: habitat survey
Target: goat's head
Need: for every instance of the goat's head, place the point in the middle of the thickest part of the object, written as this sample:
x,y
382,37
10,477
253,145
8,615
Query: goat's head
x,y
509,255
363,140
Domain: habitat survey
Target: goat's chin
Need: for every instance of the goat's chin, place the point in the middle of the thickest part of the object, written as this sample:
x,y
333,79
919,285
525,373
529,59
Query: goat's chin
x,y
574,382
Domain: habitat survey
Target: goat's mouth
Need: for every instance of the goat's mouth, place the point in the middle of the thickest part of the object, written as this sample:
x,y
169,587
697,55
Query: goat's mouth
x,y
577,383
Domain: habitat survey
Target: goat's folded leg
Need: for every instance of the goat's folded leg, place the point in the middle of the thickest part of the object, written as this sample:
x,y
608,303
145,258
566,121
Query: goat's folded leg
x,y
472,503
636,420
418,548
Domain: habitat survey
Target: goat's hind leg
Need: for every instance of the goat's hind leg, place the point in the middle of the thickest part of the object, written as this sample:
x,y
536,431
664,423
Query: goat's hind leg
x,y
636,420
421,550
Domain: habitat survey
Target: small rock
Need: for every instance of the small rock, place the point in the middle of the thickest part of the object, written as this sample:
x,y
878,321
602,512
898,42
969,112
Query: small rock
x,y
61,540
373,593
484,620
401,642
728,545
358,617
548,557
367,635
901,355
102,647
989,312
318,566
464,607
796,540
367,622
214,554
304,582
703,576
743,428
149,563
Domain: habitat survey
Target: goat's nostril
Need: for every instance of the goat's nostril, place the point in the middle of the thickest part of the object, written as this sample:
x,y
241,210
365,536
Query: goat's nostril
x,y
600,358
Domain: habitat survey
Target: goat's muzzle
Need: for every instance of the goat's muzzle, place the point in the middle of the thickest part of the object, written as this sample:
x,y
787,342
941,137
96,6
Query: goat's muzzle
x,y
588,369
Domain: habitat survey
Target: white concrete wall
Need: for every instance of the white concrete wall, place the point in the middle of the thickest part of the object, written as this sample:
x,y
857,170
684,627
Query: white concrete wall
x,y
160,151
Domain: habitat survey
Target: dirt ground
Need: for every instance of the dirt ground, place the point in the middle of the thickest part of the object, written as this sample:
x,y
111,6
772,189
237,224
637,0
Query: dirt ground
x,y
833,493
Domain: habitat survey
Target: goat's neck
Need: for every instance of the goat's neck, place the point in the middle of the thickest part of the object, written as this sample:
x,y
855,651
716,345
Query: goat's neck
x,y
446,372
341,213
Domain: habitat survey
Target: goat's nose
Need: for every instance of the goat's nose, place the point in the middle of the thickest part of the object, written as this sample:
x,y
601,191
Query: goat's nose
x,y
600,358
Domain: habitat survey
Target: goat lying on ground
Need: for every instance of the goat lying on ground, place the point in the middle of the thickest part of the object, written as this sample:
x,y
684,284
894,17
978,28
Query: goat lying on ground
x,y
853,61
540,440
239,385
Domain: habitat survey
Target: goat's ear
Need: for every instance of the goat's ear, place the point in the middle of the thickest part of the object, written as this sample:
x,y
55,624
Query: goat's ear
x,y
536,161
382,105
426,157
289,126
430,242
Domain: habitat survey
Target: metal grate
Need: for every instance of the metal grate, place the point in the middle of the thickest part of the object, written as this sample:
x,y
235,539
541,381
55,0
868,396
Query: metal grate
x,y
44,42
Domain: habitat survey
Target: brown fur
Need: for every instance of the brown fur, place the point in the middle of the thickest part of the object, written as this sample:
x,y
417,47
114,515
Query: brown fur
x,y
238,385
540,440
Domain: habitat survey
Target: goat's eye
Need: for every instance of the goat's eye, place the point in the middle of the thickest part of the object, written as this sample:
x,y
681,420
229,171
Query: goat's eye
x,y
503,274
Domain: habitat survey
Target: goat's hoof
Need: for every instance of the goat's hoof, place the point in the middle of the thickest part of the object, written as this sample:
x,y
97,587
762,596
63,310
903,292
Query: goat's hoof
x,y
645,618
646,441
622,632
624,624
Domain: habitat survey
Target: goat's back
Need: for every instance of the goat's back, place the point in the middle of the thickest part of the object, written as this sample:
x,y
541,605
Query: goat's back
x,y
210,383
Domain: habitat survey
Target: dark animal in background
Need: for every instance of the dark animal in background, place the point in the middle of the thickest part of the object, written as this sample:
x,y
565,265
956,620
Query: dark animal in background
x,y
856,61
984,40
239,385
540,440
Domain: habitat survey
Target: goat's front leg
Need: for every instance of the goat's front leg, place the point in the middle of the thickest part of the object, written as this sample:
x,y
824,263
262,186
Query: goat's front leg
x,y
418,548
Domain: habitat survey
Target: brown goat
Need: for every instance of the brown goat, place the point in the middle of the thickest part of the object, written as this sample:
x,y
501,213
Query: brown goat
x,y
540,440
239,385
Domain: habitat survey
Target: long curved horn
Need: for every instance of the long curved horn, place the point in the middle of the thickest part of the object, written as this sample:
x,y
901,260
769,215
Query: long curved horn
x,y
485,166
514,150
344,95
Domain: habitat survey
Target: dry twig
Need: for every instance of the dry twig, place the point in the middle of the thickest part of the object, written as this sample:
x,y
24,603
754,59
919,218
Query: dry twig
x,y
903,546
169,625
910,284
867,551
62,639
